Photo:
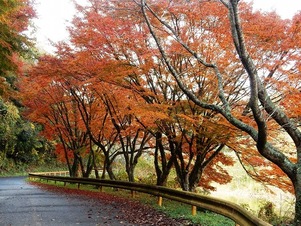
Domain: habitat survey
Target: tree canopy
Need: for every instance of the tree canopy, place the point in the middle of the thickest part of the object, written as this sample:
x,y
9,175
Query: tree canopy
x,y
184,79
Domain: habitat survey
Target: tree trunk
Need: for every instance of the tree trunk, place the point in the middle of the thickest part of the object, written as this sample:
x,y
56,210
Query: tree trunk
x,y
96,172
73,172
297,186
162,175
108,167
104,170
110,171
186,184
130,173
94,166
179,163
89,166
82,167
66,156
195,178
162,172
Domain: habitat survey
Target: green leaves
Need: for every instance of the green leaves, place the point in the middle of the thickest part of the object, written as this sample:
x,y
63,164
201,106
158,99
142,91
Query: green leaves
x,y
14,19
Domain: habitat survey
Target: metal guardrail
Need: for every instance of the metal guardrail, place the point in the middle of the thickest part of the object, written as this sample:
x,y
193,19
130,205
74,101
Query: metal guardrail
x,y
54,173
225,208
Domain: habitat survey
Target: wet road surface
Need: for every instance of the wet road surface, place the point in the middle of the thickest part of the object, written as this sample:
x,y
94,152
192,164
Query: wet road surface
x,y
24,204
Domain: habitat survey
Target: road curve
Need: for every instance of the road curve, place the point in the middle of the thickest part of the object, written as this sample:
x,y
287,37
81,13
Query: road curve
x,y
24,204
33,204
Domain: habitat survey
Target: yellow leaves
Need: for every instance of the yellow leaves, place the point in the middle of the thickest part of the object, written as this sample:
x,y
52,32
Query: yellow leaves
x,y
12,112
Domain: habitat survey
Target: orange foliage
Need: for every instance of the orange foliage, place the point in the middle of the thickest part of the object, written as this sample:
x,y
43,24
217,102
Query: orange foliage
x,y
118,79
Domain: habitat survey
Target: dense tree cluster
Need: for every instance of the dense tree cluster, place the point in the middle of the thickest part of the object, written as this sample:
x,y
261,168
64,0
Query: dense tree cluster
x,y
19,139
178,80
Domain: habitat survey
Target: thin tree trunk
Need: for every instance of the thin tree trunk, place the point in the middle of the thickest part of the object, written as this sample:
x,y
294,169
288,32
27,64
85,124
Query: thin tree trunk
x,y
160,158
297,186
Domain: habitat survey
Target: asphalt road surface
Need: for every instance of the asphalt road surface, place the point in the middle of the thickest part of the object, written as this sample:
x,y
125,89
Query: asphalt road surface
x,y
24,204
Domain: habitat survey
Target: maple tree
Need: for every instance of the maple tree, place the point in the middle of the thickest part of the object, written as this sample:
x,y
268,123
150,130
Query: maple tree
x,y
80,116
185,138
50,104
111,124
201,141
92,36
267,60
95,114
87,66
133,139
207,74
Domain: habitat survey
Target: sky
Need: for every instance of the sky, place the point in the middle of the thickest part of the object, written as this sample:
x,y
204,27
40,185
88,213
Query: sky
x,y
55,15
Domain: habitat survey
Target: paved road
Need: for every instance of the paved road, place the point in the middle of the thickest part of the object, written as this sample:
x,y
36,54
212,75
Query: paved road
x,y
24,204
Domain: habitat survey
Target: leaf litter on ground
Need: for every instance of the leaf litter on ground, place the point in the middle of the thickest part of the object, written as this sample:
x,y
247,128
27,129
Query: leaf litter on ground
x,y
131,211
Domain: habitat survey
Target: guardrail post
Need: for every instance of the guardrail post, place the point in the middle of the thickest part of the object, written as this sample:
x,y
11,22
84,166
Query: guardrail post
x,y
160,200
193,210
78,185
100,188
133,193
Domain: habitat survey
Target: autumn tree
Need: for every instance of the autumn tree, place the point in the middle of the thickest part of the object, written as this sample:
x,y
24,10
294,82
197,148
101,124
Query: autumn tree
x,y
110,114
51,104
201,139
268,57
127,47
96,117
185,137
133,139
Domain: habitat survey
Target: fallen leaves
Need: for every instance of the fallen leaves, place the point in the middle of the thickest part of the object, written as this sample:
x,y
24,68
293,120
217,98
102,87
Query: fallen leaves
x,y
132,212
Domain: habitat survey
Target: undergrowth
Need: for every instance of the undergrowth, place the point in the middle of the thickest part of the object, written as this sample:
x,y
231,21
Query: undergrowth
x,y
21,169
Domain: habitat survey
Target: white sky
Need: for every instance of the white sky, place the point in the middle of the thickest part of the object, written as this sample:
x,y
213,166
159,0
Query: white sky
x,y
53,16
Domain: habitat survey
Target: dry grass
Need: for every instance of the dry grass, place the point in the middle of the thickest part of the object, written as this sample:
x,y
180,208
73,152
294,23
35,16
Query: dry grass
x,y
253,195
